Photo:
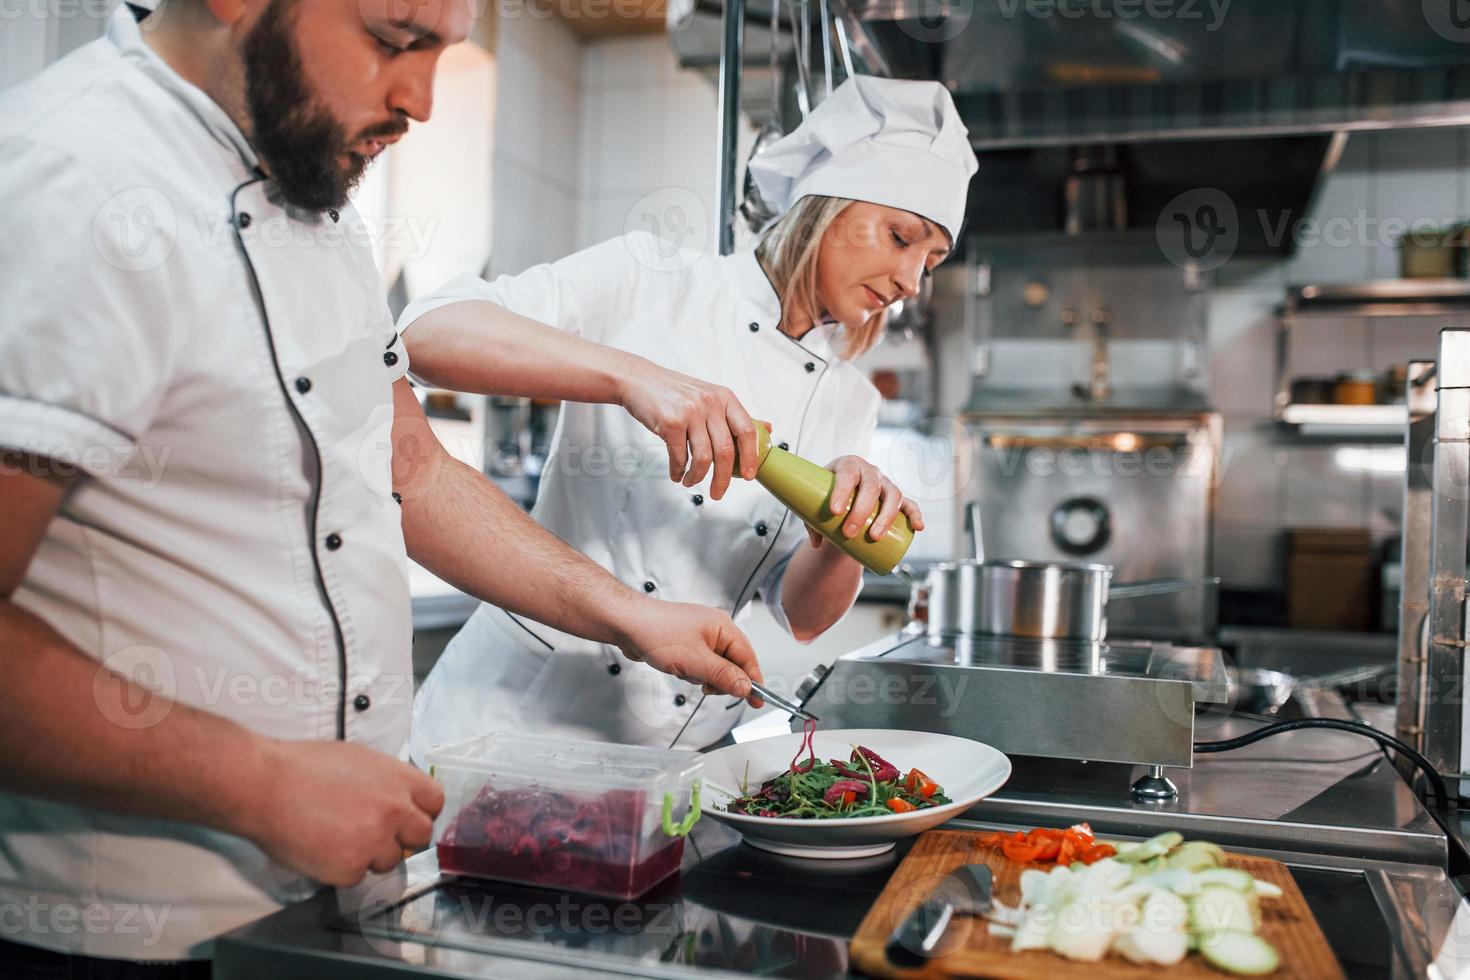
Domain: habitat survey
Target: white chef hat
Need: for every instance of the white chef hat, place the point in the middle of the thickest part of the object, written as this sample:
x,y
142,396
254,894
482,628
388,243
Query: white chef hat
x,y
881,140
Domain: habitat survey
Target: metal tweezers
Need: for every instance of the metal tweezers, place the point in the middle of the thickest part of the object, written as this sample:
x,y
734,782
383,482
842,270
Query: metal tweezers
x,y
780,702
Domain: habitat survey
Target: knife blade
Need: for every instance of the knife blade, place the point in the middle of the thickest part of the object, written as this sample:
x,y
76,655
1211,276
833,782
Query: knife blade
x,y
964,891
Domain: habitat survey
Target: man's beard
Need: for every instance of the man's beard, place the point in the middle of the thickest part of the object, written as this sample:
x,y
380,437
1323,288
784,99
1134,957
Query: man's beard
x,y
297,137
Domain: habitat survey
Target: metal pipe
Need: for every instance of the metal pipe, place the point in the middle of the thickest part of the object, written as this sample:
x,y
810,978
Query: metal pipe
x,y
731,66
826,46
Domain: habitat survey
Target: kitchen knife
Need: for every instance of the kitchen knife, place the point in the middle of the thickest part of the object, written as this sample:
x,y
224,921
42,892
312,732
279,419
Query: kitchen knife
x,y
964,891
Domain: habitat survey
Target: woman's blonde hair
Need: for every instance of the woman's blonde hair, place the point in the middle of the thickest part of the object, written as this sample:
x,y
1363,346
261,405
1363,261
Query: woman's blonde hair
x,y
789,251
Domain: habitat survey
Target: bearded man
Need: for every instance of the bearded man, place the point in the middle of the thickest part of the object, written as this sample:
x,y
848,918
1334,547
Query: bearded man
x,y
213,472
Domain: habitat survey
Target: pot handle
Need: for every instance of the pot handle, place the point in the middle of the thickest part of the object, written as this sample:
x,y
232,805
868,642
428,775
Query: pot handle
x,y
972,525
1159,586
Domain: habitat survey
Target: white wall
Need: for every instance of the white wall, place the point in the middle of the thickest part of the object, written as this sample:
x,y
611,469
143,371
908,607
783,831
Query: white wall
x,y
537,146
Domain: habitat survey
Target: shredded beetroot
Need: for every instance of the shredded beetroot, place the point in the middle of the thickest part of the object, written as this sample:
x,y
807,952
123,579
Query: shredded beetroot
x,y
882,769
592,843
809,731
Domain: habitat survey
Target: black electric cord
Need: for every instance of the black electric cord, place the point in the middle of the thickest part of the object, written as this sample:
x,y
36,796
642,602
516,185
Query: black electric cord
x,y
1356,728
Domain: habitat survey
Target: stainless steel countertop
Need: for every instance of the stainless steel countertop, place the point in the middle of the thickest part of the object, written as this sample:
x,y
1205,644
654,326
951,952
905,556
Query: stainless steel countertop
x,y
1369,857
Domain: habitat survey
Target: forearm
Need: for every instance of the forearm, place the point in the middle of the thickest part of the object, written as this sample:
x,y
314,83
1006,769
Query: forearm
x,y
72,730
819,588
469,533
479,347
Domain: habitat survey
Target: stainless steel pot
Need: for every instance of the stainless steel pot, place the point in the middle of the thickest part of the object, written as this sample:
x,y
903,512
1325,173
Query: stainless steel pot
x,y
1041,600
1036,600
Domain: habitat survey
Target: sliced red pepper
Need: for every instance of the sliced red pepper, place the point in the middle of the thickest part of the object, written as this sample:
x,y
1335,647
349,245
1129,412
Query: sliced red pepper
x,y
1076,843
1048,844
1020,851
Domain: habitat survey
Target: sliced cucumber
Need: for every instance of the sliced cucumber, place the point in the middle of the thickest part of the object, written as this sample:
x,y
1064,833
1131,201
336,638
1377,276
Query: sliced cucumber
x,y
1228,877
1241,953
1220,909
1196,855
1154,847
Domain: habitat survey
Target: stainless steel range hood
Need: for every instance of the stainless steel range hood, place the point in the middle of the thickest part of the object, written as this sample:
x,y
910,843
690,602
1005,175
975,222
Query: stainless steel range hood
x,y
1159,97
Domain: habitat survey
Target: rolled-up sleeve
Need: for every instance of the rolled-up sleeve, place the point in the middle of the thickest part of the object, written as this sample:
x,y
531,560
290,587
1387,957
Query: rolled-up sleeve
x,y
576,294
86,340
770,587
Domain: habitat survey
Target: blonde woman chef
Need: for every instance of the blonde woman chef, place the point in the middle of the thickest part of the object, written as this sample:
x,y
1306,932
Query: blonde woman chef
x,y
770,333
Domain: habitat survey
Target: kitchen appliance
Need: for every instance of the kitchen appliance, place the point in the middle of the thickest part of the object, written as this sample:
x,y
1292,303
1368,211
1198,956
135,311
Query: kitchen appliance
x,y
1130,489
1129,701
1433,714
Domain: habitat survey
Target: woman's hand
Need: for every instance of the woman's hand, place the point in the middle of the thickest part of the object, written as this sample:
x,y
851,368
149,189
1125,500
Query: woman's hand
x,y
702,425
861,489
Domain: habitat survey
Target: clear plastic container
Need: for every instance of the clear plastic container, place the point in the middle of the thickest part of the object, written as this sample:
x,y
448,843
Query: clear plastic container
x,y
583,816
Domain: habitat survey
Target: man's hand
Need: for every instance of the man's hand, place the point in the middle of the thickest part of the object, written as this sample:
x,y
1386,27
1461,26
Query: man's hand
x,y
694,643
702,424
861,489
334,811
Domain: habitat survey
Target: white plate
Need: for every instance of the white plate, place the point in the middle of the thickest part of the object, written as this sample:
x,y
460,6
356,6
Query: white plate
x,y
968,771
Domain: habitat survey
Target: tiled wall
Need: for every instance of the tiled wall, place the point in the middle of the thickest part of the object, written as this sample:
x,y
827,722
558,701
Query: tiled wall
x,y
1272,482
598,138
648,137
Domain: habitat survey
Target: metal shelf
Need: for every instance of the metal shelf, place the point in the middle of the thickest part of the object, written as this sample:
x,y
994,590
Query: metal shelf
x,y
1381,298
1346,420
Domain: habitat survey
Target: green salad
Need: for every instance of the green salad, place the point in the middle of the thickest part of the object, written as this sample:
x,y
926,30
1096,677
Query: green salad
x,y
864,785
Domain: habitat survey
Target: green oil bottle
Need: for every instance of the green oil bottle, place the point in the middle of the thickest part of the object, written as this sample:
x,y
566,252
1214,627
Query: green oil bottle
x,y
806,489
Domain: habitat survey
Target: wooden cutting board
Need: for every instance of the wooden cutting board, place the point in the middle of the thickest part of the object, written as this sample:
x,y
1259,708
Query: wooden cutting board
x,y
1287,924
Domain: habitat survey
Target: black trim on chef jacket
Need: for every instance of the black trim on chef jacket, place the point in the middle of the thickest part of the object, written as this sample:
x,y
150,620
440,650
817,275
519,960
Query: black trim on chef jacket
x,y
785,515
528,629
800,428
316,483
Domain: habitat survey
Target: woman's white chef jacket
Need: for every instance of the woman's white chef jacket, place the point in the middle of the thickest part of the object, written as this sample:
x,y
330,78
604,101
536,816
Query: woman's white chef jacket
x,y
221,368
606,491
